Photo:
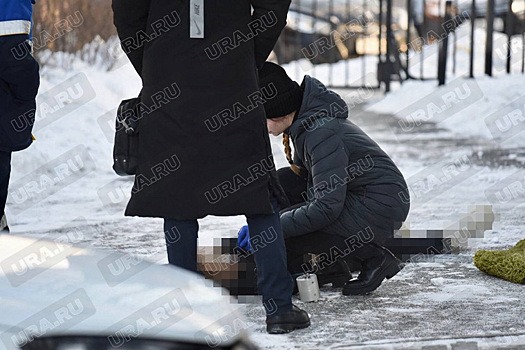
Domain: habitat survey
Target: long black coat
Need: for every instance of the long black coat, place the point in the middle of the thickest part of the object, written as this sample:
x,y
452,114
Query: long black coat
x,y
204,146
353,185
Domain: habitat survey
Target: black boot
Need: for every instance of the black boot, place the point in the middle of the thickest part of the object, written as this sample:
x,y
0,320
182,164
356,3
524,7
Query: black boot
x,y
3,224
375,270
337,274
288,321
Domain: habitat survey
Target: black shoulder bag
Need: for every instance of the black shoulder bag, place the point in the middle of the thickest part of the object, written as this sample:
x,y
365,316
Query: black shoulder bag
x,y
126,147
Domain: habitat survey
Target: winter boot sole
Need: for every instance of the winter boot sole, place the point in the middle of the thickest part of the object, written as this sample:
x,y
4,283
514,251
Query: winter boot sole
x,y
282,328
390,271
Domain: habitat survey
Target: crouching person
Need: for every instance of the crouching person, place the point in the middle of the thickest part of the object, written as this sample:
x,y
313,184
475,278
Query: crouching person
x,y
348,196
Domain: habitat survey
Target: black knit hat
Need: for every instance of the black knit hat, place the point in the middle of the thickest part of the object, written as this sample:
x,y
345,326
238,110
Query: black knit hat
x,y
284,95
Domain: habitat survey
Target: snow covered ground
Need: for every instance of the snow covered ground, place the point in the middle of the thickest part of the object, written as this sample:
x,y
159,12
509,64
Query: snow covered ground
x,y
65,180
446,304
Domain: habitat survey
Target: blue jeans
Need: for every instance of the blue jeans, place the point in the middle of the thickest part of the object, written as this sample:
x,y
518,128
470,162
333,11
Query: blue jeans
x,y
5,171
274,282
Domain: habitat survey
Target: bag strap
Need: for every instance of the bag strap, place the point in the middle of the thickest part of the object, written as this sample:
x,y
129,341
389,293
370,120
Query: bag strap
x,y
122,120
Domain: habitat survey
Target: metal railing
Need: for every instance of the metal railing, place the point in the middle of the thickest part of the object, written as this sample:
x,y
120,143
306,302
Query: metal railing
x,y
358,43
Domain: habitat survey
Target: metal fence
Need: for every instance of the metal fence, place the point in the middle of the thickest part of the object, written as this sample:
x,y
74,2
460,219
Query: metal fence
x,y
358,43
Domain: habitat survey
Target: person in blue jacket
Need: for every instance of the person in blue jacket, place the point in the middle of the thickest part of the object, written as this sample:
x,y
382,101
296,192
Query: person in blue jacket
x,y
347,195
19,82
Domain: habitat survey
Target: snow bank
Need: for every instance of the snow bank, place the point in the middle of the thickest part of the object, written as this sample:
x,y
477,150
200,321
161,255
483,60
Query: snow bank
x,y
474,117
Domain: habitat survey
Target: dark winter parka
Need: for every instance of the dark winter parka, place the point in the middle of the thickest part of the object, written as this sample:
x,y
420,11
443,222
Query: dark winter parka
x,y
353,185
204,146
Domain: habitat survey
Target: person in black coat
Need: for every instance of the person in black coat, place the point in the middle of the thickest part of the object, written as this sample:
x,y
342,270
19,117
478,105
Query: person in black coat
x,y
204,146
19,82
348,196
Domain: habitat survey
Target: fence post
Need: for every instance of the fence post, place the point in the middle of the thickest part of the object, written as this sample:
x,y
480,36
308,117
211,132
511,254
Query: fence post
x,y
522,30
472,29
385,64
409,16
390,64
509,30
454,52
490,37
443,45
389,35
380,48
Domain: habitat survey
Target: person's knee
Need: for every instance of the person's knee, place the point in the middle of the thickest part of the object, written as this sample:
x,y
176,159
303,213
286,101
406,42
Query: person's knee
x,y
294,186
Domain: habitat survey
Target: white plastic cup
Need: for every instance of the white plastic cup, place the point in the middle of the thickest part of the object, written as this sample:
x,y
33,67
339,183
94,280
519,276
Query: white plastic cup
x,y
308,287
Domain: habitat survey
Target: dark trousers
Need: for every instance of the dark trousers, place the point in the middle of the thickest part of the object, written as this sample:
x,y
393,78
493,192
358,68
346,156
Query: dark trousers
x,y
19,82
328,247
5,171
274,282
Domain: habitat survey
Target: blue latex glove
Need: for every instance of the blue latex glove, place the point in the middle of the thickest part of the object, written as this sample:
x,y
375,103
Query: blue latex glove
x,y
243,240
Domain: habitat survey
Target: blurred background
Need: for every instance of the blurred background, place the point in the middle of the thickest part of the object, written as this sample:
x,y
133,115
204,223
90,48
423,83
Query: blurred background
x,y
347,43
74,29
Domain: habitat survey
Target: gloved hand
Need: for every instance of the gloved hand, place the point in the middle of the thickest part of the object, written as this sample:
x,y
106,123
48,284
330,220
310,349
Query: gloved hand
x,y
243,240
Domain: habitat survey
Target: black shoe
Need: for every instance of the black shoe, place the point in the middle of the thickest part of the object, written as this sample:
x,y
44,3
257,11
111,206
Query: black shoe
x,y
3,224
288,321
373,274
337,274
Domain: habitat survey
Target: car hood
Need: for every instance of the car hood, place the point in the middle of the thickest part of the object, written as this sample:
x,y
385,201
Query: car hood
x,y
50,288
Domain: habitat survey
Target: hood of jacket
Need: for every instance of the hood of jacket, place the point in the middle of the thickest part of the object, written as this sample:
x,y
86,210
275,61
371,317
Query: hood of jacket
x,y
318,103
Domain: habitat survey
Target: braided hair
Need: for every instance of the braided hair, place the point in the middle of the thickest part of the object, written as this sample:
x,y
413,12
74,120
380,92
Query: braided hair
x,y
288,152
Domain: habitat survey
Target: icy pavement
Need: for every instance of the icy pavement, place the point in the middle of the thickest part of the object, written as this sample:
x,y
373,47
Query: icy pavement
x,y
427,304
